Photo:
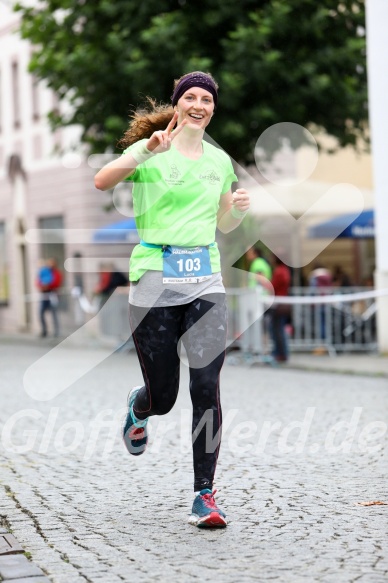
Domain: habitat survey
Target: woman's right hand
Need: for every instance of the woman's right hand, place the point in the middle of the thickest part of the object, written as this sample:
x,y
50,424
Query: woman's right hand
x,y
160,141
125,165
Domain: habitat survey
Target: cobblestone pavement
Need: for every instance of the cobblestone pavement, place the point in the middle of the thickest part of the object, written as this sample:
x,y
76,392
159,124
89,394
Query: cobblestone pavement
x,y
300,449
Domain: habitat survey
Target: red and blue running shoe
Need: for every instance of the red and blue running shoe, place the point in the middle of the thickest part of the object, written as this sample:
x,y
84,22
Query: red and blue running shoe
x,y
135,433
205,512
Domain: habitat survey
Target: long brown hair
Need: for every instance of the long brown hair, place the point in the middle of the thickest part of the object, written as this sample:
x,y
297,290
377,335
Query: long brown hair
x,y
150,118
153,116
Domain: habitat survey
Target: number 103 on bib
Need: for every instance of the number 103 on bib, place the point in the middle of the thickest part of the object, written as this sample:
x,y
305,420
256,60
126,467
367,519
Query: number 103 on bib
x,y
189,264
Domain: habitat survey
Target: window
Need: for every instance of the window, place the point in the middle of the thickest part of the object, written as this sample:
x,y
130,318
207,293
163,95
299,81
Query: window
x,y
16,94
4,276
35,98
1,104
54,249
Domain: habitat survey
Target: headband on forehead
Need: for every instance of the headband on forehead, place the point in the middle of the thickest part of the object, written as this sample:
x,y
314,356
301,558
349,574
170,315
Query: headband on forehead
x,y
195,80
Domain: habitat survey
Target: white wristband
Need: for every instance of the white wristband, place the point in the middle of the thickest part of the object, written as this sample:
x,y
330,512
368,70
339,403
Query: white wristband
x,y
237,214
141,153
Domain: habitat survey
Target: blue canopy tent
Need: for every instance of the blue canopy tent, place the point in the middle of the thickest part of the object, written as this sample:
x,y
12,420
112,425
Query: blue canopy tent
x,y
120,232
363,227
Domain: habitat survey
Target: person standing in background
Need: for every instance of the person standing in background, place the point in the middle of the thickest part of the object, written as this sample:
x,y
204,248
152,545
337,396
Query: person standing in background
x,y
258,266
109,280
281,281
49,281
320,277
321,280
340,277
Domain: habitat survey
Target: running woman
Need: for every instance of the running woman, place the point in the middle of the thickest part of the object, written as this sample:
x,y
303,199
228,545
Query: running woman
x,y
181,193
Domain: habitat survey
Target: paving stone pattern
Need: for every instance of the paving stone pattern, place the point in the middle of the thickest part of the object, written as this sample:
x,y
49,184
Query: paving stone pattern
x,y
17,567
96,514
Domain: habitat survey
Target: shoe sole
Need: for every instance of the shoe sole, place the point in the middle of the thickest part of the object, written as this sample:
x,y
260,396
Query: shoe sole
x,y
133,449
212,520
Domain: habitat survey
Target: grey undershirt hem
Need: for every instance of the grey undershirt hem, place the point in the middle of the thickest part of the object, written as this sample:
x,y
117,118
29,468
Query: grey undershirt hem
x,y
150,291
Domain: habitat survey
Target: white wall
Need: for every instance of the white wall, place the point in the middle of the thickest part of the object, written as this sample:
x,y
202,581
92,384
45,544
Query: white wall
x,y
51,188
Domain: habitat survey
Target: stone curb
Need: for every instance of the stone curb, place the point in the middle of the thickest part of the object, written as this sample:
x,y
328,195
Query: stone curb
x,y
14,565
334,370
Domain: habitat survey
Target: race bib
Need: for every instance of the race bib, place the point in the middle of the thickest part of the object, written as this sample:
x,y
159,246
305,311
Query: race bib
x,y
186,264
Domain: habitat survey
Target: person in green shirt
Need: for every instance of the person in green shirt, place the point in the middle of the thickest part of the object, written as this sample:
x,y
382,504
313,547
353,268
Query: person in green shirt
x,y
181,194
258,266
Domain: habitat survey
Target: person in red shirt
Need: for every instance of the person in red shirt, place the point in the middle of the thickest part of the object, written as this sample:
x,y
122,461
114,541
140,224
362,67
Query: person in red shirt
x,y
109,280
281,281
48,282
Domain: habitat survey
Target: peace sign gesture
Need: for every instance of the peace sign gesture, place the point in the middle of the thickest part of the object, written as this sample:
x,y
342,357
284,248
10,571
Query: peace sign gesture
x,y
160,141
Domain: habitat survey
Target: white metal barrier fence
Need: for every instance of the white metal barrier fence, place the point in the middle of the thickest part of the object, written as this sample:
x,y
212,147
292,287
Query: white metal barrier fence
x,y
321,320
339,326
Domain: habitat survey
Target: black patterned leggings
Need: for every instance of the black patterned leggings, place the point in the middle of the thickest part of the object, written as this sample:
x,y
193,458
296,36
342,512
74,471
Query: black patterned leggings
x,y
201,327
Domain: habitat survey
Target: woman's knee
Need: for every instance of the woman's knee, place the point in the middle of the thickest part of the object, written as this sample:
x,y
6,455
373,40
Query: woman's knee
x,y
163,407
163,398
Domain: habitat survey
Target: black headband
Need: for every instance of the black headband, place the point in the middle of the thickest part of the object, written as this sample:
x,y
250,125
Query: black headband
x,y
195,80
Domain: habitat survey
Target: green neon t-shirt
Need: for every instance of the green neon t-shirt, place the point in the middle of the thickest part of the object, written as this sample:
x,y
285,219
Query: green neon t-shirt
x,y
259,265
175,202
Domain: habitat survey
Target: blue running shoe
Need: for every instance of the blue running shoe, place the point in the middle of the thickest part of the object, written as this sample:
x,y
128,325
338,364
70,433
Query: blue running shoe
x,y
134,432
205,512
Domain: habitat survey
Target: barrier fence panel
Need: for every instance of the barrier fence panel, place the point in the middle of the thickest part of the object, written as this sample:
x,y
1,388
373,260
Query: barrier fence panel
x,y
335,326
318,319
114,318
245,319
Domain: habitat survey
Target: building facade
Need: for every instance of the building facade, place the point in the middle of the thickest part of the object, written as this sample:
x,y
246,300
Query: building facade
x,y
46,183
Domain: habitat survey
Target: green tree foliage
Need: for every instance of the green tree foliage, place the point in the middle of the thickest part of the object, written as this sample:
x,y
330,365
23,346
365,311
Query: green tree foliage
x,y
300,61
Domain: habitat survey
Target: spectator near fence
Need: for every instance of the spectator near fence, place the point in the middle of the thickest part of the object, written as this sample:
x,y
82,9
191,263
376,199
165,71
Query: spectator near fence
x,y
109,280
321,279
49,280
258,266
279,313
340,277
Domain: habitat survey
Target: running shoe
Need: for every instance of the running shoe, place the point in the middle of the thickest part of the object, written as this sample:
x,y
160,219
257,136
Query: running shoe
x,y
135,433
205,512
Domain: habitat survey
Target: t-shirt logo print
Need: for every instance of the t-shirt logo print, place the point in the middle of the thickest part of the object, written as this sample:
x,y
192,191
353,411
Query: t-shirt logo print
x,y
175,176
174,172
211,177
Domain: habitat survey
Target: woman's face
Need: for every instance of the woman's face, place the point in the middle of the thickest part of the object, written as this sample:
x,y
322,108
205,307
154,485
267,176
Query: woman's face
x,y
196,106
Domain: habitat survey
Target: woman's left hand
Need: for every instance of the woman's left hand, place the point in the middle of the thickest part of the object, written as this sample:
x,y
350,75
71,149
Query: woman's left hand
x,y
240,200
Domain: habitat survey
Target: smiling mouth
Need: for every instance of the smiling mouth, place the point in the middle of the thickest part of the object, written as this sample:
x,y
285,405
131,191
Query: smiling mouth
x,y
196,116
